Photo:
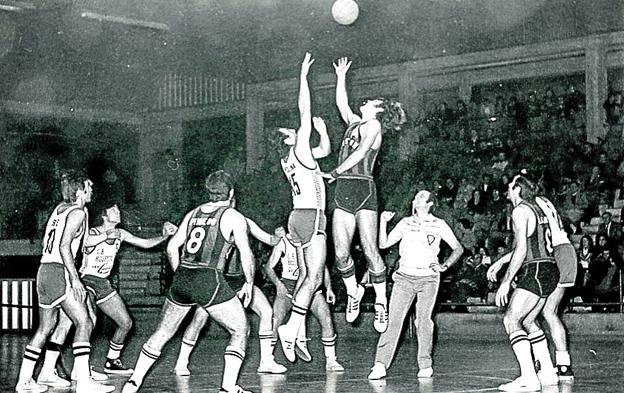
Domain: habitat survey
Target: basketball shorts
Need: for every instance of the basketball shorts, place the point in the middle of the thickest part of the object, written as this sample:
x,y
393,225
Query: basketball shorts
x,y
204,287
305,223
565,257
291,284
353,195
540,278
100,287
235,282
53,284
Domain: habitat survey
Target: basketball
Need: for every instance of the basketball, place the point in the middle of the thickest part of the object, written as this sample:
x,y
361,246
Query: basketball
x,y
345,12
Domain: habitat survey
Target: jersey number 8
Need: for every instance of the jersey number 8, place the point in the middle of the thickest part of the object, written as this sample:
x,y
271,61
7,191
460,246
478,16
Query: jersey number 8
x,y
195,240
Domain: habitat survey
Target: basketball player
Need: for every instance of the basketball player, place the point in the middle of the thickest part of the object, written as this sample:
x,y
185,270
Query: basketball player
x,y
285,252
565,258
97,264
59,286
306,222
532,259
259,304
206,236
418,276
356,195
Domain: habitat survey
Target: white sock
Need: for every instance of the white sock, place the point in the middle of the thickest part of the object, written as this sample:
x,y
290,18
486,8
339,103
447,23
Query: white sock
x,y
31,355
114,350
562,358
329,346
49,359
82,352
351,285
233,359
184,356
522,349
266,345
146,360
540,349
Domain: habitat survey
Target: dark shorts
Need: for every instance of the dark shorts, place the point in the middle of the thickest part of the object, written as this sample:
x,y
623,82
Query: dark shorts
x,y
565,257
204,287
540,278
235,282
353,195
52,284
305,223
100,287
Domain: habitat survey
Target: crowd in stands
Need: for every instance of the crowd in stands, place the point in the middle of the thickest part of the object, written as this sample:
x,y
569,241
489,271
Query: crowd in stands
x,y
543,133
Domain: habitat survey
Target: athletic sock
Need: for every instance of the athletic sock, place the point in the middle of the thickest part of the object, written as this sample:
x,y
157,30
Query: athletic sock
x,y
31,355
348,276
297,317
186,348
82,352
562,358
114,350
378,279
146,360
52,353
233,359
540,349
266,345
522,349
329,346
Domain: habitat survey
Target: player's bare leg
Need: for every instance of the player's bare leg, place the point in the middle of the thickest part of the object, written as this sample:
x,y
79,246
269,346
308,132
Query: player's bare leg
x,y
261,306
191,334
367,226
558,333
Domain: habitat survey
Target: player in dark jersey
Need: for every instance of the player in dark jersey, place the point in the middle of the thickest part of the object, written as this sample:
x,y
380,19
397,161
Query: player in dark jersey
x,y
356,196
532,260
206,236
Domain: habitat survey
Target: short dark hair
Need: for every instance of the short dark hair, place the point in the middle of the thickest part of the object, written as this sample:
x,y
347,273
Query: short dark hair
x,y
528,189
72,181
219,184
392,117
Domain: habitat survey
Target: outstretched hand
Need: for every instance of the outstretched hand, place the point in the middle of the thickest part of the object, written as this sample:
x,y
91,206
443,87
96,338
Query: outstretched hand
x,y
342,66
502,293
493,271
387,216
169,229
307,62
330,178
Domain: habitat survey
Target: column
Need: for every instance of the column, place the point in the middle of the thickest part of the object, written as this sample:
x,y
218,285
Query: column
x,y
595,90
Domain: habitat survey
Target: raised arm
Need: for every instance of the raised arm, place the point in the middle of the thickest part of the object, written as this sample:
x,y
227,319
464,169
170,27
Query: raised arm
x,y
342,100
167,230
302,144
260,234
324,147
395,235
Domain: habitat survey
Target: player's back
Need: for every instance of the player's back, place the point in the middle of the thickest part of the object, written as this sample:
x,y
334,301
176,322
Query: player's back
x,y
539,243
558,233
205,246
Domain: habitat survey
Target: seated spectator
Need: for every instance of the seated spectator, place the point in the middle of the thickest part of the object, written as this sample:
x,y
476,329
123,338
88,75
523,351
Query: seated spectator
x,y
611,229
465,233
477,204
585,256
464,193
448,192
501,163
575,204
604,276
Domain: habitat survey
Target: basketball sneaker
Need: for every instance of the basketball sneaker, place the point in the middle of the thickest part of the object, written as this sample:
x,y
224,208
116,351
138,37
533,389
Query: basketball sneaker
x,y
378,371
565,372
521,385
301,349
381,318
270,366
53,380
353,304
115,366
548,377
331,364
236,389
91,386
425,372
287,338
96,376
30,386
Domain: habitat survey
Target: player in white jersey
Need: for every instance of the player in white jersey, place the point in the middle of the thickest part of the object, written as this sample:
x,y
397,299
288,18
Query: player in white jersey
x,y
306,223
285,253
418,276
59,286
97,264
565,258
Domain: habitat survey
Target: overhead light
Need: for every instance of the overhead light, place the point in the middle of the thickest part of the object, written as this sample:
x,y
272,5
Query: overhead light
x,y
125,21
16,6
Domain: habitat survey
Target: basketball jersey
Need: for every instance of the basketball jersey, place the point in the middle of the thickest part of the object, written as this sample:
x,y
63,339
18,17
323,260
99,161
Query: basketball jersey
x,y
53,234
98,260
350,142
290,267
420,244
308,188
205,246
539,244
559,235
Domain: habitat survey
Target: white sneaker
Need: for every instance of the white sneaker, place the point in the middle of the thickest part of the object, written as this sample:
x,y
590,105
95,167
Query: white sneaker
x,y
381,317
181,370
287,338
425,372
548,377
353,304
301,349
270,366
96,376
30,386
378,371
521,385
53,380
331,364
91,386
